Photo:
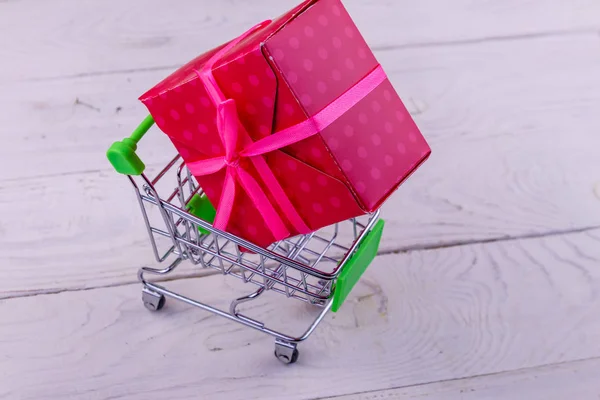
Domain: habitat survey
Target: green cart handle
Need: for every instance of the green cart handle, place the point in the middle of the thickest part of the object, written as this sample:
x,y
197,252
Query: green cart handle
x,y
122,154
125,161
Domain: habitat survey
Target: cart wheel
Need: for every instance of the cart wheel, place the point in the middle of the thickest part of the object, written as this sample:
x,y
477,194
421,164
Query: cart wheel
x,y
284,359
287,353
152,301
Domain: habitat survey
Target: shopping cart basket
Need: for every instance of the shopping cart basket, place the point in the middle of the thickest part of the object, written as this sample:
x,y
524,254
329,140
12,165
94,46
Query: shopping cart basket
x,y
319,268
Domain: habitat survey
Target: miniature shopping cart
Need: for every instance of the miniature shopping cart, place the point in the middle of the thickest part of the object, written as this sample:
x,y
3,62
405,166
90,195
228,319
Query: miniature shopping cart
x,y
319,268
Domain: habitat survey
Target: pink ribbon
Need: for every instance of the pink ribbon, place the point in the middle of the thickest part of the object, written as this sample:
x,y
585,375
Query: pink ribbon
x,y
233,133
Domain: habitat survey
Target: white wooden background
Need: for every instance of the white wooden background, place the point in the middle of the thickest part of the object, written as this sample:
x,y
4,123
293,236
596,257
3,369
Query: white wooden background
x,y
488,285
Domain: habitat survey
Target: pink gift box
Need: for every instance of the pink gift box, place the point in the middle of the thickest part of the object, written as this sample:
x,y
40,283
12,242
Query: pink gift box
x,y
300,68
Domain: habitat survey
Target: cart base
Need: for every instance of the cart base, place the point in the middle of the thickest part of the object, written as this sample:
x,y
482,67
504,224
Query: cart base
x,y
286,346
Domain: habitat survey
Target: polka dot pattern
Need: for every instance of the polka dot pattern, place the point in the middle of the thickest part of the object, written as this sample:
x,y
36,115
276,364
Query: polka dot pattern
x,y
236,87
306,99
308,65
361,187
375,106
205,101
335,10
294,43
362,152
320,199
363,118
389,160
253,89
349,32
254,81
292,77
290,113
337,42
203,129
347,165
318,208
187,116
279,55
322,44
289,109
194,116
305,187
401,148
400,115
376,139
382,144
375,173
322,87
292,165
371,148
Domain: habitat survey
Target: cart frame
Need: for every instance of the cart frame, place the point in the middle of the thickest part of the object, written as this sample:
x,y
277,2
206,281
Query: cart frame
x,y
288,267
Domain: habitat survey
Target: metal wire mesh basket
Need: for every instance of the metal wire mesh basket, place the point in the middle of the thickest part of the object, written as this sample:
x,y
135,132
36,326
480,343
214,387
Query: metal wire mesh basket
x,y
319,268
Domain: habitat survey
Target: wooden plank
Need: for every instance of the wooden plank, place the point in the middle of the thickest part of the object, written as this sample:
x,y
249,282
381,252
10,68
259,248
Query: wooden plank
x,y
414,318
514,154
573,380
456,94
88,37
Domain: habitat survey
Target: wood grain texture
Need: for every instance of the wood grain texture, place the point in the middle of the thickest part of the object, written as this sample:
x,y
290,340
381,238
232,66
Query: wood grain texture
x,y
414,318
71,37
514,131
573,380
460,94
507,93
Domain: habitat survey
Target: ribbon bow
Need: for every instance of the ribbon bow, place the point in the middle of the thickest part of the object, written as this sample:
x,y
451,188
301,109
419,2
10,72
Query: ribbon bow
x,y
233,136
